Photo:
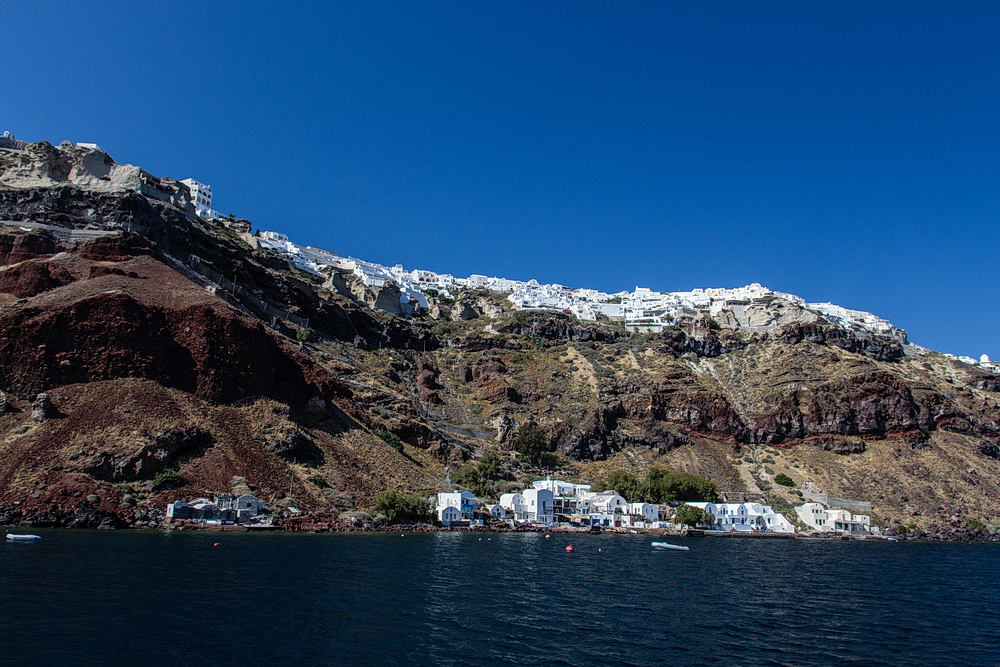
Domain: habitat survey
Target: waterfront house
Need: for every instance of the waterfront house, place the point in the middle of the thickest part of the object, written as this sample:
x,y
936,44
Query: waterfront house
x,y
224,508
607,509
515,506
498,511
568,503
463,501
818,517
538,505
450,516
179,510
642,514
745,517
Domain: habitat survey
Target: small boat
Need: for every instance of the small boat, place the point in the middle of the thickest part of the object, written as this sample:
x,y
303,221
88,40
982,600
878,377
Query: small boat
x,y
23,538
669,547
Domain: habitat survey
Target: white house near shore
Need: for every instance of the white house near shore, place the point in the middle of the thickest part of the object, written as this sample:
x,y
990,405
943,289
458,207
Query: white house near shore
x,y
818,517
553,501
456,506
745,517
529,506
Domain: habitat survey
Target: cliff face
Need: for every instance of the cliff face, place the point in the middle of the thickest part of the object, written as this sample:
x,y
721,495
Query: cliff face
x,y
159,342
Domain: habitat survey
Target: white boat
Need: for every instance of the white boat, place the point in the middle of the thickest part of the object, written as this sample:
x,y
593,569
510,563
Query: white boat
x,y
23,538
667,546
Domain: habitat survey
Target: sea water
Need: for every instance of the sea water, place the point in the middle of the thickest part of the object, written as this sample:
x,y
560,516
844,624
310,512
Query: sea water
x,y
196,598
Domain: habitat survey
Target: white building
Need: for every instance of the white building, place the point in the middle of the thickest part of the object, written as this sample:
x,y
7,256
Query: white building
x,y
464,502
642,513
201,197
515,506
745,517
818,517
498,511
568,503
539,505
450,515
530,506
608,509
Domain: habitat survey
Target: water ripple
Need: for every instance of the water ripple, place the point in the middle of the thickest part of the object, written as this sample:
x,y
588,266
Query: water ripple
x,y
89,598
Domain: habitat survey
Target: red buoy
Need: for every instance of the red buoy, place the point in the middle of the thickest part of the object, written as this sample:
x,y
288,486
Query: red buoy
x,y
216,544
569,547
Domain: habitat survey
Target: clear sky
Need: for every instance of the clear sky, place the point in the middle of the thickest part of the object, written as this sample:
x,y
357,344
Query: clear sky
x,y
845,152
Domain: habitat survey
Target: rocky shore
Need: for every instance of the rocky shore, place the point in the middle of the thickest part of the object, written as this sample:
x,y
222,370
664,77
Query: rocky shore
x,y
155,519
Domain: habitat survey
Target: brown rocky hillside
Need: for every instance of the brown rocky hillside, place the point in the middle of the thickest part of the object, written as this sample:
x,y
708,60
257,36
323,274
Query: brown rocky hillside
x,y
136,338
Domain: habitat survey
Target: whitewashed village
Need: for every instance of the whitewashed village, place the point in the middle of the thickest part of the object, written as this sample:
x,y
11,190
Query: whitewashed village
x,y
550,503
555,504
642,309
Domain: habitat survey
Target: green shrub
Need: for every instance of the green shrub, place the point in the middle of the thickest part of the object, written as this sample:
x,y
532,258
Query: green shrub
x,y
976,524
390,439
783,479
319,481
168,479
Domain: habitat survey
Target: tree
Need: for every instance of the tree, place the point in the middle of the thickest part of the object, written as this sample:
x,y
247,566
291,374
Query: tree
x,y
660,486
472,477
628,486
401,507
783,479
664,486
687,515
692,487
532,442
490,465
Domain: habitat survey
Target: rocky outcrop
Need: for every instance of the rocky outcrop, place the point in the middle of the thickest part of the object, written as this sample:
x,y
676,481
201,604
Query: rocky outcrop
x,y
291,445
42,166
557,327
42,409
698,410
877,347
475,304
164,450
33,277
702,343
873,404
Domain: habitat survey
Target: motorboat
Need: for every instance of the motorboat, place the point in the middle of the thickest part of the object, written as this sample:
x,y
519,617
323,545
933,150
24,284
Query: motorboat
x,y
11,537
668,547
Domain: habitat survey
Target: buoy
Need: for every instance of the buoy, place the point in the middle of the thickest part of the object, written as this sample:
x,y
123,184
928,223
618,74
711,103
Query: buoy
x,y
217,544
569,547
548,537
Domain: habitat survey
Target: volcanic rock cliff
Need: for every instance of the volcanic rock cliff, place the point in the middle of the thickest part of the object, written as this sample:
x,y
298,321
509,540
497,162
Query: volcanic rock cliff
x,y
162,342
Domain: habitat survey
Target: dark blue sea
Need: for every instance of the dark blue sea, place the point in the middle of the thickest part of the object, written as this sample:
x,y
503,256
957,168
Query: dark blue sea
x,y
144,598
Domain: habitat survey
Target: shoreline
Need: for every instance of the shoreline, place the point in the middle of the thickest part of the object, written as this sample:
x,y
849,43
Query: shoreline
x,y
648,532
12,519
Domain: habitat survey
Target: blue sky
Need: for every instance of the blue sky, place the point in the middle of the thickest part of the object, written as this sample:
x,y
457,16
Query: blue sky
x,y
844,152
